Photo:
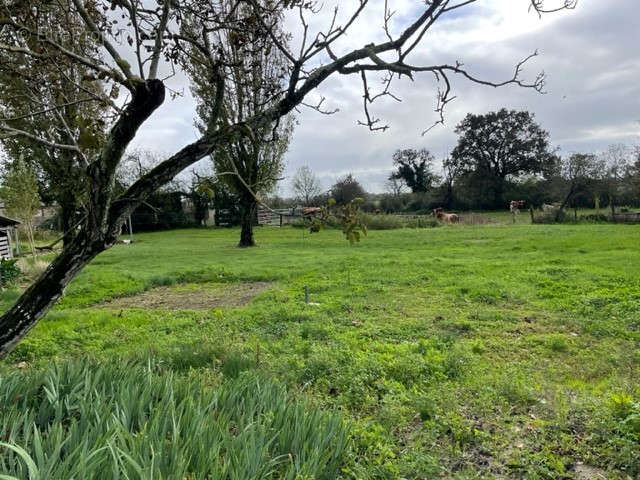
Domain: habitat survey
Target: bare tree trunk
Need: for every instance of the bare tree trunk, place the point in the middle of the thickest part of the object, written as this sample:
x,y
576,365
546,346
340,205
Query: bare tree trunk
x,y
612,204
68,221
572,191
248,207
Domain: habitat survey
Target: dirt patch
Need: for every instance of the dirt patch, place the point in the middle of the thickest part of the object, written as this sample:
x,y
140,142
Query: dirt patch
x,y
192,296
585,472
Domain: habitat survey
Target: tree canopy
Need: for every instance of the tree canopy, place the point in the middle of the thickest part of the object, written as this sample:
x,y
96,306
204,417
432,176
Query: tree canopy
x,y
347,189
414,168
500,145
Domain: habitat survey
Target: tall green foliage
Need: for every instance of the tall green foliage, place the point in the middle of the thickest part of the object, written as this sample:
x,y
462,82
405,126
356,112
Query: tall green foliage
x,y
498,146
83,420
19,192
251,161
414,168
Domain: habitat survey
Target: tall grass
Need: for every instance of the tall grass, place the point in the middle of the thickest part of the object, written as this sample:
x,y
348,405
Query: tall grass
x,y
80,420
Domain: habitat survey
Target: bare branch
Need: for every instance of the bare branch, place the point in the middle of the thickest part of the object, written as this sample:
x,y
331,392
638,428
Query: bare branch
x,y
122,64
157,47
12,132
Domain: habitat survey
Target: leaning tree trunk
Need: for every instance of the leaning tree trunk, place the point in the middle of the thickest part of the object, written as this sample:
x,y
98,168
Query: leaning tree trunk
x,y
40,297
103,221
68,219
248,208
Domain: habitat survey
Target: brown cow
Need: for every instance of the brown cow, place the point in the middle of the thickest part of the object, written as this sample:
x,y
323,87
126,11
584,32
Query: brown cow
x,y
445,217
311,211
515,206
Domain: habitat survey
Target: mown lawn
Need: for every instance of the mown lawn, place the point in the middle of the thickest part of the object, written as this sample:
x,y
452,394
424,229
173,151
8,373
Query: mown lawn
x,y
458,352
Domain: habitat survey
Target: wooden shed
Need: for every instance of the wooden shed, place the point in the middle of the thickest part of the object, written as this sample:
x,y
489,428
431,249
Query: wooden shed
x,y
8,236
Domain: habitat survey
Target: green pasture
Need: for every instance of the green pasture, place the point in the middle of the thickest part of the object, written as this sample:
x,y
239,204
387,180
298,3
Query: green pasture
x,y
460,352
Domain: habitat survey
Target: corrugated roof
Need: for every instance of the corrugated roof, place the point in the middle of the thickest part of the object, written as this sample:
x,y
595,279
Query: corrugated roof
x,y
8,222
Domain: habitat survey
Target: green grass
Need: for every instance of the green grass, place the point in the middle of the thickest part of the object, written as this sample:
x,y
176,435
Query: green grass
x,y
465,352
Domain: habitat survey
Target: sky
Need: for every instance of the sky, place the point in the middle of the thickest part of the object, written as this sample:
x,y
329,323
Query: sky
x,y
591,56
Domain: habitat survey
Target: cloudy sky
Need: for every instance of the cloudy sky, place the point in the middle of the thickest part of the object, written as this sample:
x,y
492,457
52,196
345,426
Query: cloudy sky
x,y
591,56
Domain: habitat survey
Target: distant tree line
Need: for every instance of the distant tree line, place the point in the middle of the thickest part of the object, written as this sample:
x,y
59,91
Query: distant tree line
x,y
501,156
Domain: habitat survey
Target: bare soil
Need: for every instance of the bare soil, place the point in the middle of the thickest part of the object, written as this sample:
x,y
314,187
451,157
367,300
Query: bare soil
x,y
585,472
192,296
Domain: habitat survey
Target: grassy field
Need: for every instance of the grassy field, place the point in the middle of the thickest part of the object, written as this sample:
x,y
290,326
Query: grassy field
x,y
461,352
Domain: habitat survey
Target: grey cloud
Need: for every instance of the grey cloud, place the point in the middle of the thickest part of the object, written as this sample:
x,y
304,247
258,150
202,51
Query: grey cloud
x,y
593,99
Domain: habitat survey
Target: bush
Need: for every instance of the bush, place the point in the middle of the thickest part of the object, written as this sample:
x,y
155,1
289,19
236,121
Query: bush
x,y
593,218
390,222
553,217
126,420
9,271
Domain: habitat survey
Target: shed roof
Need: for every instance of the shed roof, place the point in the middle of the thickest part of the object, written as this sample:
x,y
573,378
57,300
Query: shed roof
x,y
8,222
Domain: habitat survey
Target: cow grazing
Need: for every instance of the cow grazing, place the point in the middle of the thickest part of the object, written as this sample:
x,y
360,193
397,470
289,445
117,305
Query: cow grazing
x,y
515,206
311,211
445,217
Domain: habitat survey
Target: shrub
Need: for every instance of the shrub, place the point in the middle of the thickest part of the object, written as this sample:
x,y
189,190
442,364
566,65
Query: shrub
x,y
553,217
390,222
126,420
9,271
593,218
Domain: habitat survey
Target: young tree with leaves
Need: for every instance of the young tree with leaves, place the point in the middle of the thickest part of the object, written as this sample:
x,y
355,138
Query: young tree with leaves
x,y
346,190
306,185
19,192
614,166
155,45
250,162
579,171
52,96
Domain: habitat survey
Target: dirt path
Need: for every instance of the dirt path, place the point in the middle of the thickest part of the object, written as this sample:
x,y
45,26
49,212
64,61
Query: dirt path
x,y
192,296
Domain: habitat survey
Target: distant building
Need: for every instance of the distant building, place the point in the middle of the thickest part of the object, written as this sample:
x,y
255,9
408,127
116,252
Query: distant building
x,y
8,236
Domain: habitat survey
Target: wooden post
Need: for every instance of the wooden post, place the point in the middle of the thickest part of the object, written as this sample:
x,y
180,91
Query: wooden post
x,y
130,229
531,213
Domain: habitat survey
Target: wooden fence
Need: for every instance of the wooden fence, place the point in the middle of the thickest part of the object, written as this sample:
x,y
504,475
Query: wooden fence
x,y
627,217
278,217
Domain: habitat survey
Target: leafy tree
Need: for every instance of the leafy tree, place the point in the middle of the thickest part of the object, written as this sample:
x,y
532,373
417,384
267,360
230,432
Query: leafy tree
x,y
347,189
614,166
452,173
579,171
634,178
500,145
57,99
250,162
19,192
414,168
163,39
306,185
